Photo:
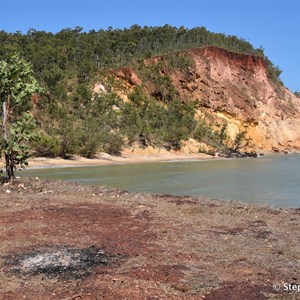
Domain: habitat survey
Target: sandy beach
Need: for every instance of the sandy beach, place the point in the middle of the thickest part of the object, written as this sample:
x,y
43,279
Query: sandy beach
x,y
106,159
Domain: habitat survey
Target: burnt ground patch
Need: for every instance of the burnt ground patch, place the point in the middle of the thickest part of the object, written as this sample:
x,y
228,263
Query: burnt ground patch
x,y
61,261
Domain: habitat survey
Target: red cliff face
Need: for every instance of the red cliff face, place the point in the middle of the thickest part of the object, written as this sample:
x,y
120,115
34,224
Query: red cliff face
x,y
235,88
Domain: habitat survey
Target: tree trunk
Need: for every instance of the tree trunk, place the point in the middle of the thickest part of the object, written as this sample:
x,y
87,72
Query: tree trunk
x,y
4,118
9,164
9,175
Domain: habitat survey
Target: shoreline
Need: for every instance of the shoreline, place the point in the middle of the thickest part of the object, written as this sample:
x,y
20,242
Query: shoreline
x,y
106,159
127,158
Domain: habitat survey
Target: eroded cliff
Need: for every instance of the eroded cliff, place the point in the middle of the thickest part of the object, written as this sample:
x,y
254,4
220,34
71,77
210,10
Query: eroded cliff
x,y
231,88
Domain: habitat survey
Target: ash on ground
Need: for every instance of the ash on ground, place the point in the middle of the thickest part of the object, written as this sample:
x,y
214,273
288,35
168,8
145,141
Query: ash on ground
x,y
59,261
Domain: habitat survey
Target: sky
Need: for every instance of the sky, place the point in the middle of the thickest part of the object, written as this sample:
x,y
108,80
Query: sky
x,y
271,24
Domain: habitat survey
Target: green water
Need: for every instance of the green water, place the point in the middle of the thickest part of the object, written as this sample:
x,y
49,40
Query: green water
x,y
271,180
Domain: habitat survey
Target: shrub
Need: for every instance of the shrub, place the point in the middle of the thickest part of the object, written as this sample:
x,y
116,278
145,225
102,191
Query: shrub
x,y
47,146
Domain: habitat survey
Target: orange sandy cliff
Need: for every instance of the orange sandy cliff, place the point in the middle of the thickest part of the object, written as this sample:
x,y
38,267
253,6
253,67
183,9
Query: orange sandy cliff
x,y
234,88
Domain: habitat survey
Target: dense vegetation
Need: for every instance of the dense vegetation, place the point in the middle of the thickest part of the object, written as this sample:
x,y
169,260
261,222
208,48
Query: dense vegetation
x,y
17,86
73,120
60,56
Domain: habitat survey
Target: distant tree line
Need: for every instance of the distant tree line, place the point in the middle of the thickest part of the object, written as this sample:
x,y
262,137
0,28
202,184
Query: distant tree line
x,y
58,57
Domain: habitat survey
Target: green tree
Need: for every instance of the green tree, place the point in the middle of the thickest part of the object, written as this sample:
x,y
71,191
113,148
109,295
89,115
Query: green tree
x,y
179,123
17,85
240,141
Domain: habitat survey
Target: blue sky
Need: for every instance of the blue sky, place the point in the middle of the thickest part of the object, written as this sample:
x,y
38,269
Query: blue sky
x,y
272,24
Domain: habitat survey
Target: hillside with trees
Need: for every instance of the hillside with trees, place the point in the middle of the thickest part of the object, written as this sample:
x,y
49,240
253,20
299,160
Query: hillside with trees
x,y
73,119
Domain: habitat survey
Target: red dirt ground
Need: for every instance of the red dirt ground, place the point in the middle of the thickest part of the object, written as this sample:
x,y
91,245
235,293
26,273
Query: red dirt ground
x,y
157,247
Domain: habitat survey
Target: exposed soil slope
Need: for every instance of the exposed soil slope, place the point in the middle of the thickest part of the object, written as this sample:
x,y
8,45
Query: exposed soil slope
x,y
234,88
60,240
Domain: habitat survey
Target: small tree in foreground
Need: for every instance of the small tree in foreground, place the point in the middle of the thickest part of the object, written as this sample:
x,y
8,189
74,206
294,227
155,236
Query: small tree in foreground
x,y
17,85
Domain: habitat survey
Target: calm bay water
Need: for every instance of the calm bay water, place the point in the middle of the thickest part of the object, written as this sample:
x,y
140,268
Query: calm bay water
x,y
271,180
